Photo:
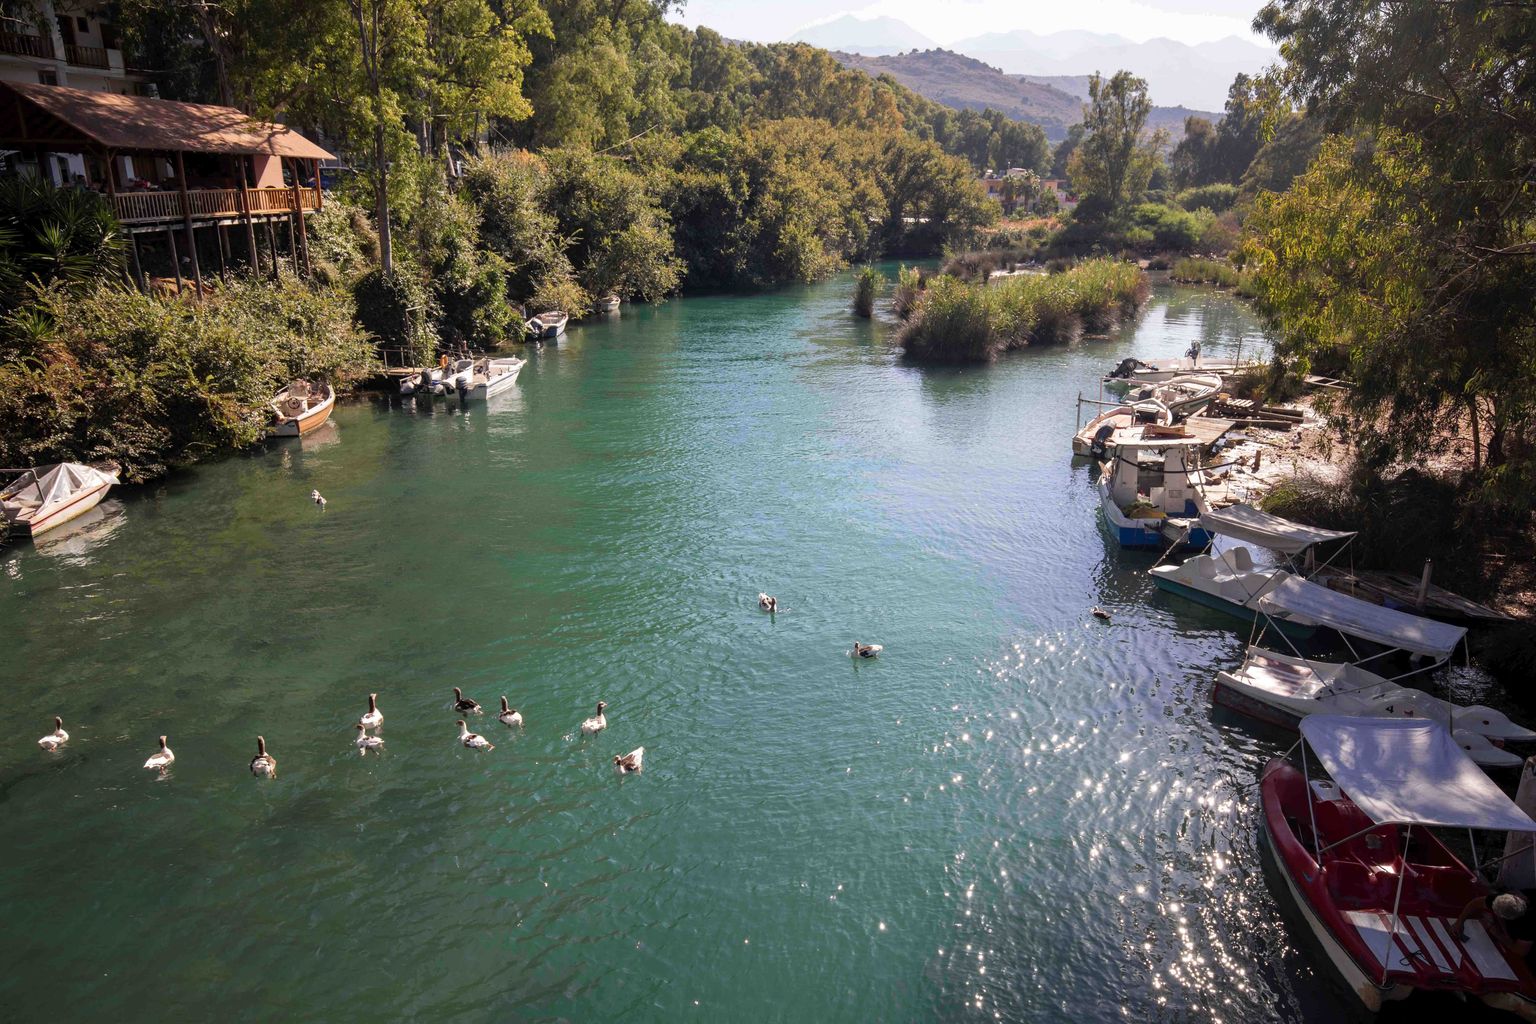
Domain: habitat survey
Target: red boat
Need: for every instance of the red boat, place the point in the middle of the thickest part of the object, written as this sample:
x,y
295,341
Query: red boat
x,y
1361,859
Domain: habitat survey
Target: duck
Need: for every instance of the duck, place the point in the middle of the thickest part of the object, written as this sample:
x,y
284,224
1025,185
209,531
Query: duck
x,y
474,741
317,498
767,604
464,705
263,765
866,650
57,738
364,742
509,716
630,763
1099,613
374,718
598,722
161,759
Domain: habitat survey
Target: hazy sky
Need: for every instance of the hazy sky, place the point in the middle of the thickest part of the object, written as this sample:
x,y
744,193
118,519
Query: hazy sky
x,y
944,21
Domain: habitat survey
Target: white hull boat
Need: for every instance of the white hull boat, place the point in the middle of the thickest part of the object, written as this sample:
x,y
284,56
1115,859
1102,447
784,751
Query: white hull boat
x,y
608,304
425,381
1096,437
491,378
1283,689
546,325
1132,372
1184,396
50,496
1156,502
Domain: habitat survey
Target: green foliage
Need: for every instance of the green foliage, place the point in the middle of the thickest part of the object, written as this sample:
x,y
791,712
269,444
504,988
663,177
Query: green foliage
x,y
397,312
1193,270
866,289
958,322
53,236
153,383
1115,160
909,288
1220,153
341,236
1217,198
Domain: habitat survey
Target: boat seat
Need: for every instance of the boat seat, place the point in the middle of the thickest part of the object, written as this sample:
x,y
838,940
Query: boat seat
x,y
1205,567
1353,882
1240,559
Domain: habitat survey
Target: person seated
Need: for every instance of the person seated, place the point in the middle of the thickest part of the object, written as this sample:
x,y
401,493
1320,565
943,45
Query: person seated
x,y
1511,910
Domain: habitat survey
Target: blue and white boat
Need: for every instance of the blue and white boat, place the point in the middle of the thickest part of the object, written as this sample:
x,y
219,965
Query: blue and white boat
x,y
1151,491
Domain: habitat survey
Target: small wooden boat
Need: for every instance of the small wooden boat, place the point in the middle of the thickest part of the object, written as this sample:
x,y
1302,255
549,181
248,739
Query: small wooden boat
x,y
546,325
48,496
301,407
490,378
606,305
1096,438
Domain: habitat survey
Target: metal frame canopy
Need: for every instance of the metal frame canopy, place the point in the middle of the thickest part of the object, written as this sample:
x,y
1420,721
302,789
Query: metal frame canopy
x,y
1297,600
1403,771
1246,523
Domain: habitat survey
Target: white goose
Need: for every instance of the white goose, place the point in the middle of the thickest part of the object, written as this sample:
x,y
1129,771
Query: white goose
x,y
767,604
474,741
263,765
630,763
161,759
510,716
866,650
57,738
365,742
598,722
374,718
317,498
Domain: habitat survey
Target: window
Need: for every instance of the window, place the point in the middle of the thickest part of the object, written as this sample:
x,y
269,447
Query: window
x,y
82,24
48,78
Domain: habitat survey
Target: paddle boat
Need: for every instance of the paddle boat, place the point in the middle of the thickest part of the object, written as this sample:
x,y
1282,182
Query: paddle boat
x,y
490,378
300,408
1357,852
546,326
1150,492
45,497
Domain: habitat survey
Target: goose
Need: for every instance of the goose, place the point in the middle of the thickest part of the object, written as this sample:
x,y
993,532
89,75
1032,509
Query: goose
x,y
1099,613
317,498
767,604
474,741
374,718
866,650
464,705
263,765
630,763
598,722
162,758
510,716
57,738
365,742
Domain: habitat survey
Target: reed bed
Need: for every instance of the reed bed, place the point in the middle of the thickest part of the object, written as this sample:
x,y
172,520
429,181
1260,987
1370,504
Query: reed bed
x,y
1195,270
867,288
957,322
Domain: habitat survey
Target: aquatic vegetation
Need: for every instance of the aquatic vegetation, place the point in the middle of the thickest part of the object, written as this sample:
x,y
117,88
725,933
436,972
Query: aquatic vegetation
x,y
910,283
1196,270
865,291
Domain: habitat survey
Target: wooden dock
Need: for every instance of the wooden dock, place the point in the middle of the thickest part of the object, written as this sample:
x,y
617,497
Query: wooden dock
x,y
1400,590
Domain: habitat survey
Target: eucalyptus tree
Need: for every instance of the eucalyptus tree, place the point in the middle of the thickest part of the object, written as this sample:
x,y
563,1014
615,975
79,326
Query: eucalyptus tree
x,y
1116,157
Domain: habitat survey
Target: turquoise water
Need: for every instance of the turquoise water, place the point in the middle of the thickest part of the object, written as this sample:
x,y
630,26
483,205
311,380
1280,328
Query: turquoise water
x,y
1018,812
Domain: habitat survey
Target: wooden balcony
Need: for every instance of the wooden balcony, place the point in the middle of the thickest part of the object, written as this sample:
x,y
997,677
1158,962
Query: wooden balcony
x,y
137,208
86,56
26,45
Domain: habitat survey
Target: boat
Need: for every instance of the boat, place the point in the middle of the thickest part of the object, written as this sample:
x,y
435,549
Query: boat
x,y
606,304
44,497
1095,438
1133,371
490,378
455,376
1184,396
1283,689
1156,502
1358,854
422,382
546,325
301,407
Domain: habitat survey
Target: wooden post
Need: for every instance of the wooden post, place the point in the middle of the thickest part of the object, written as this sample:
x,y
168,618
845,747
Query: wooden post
x,y
170,236
138,269
245,214
297,223
272,246
186,218
223,240
319,192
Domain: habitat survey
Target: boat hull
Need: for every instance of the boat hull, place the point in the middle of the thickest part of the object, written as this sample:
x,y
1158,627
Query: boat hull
x,y
56,516
311,420
1294,630
484,390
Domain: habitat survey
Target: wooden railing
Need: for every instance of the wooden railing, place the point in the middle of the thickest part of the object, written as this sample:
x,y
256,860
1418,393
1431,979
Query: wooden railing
x,y
208,203
26,45
86,56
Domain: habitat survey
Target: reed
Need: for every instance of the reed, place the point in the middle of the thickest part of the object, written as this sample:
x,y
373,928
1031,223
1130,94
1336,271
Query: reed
x,y
1195,270
909,288
865,291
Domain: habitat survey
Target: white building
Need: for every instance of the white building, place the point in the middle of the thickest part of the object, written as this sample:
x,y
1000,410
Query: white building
x,y
73,45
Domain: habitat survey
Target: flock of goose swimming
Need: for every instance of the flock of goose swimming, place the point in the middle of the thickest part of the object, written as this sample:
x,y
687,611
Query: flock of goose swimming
x,y
264,765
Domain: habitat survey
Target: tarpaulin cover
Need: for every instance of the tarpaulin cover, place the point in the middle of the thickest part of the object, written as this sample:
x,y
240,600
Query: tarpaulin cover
x,y
1246,523
1301,601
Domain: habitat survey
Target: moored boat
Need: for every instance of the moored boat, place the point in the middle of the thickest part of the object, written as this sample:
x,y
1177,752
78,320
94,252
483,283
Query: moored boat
x,y
1183,396
44,497
490,378
301,407
607,304
547,325
1153,502
423,382
1133,372
1359,855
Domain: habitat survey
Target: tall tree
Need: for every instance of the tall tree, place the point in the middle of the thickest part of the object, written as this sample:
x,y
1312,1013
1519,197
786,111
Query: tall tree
x,y
1116,159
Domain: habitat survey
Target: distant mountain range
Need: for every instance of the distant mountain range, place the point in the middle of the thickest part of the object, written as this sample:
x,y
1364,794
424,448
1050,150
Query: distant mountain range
x,y
955,80
1177,74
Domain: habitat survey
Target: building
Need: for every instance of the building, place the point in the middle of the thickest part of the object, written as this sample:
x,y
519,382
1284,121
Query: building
x,y
179,173
72,44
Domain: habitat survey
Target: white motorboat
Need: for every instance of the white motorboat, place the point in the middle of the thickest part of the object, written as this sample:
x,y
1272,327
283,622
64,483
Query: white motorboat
x,y
1153,502
1283,689
423,382
547,325
44,497
456,376
607,304
1184,396
300,408
1132,372
490,378
1095,439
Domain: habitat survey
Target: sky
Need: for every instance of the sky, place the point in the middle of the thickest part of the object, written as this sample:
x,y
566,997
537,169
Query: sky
x,y
944,21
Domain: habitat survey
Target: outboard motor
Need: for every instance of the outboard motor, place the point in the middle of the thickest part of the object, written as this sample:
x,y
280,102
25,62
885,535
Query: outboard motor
x,y
1126,366
1100,446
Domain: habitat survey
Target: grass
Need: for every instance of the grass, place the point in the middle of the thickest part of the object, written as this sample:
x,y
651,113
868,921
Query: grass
x,y
954,321
864,293
1196,270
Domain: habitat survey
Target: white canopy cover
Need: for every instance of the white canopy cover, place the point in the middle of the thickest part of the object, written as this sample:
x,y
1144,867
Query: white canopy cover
x,y
1409,771
49,485
1246,523
1297,600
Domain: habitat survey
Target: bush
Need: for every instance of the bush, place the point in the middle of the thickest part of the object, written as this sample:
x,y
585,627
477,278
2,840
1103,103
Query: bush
x,y
397,312
562,293
51,235
868,286
1169,227
1194,270
341,236
909,288
1217,198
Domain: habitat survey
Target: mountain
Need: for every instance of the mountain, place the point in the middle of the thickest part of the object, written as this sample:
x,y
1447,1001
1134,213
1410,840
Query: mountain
x,y
1176,72
956,80
863,35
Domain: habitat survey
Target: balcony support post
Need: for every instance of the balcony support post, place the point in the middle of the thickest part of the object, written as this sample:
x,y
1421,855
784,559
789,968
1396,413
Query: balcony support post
x,y
223,240
186,218
170,236
245,215
296,222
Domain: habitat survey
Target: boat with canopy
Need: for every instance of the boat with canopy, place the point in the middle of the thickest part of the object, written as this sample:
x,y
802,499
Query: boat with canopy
x,y
45,497
1361,854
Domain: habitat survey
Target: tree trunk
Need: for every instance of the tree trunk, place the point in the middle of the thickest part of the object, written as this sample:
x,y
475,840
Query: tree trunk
x,y
381,199
1477,438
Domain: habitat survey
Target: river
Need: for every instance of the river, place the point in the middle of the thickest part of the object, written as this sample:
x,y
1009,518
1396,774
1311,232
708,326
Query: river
x,y
1017,812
